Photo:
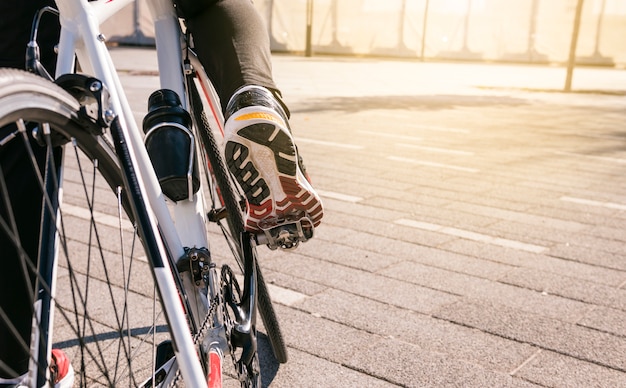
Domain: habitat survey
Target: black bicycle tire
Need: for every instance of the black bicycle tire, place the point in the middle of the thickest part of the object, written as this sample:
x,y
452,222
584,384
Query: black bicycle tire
x,y
42,100
49,103
232,202
270,320
68,107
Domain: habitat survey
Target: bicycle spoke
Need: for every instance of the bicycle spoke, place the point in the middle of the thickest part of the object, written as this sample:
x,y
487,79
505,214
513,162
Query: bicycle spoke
x,y
107,318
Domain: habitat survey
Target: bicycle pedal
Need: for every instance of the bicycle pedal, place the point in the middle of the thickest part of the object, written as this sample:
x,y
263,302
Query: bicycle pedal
x,y
285,233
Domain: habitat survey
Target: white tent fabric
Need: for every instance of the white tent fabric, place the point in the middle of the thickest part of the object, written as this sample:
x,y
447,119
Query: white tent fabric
x,y
535,31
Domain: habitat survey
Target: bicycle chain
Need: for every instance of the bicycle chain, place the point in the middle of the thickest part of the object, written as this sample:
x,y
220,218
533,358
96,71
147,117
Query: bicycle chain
x,y
218,301
206,324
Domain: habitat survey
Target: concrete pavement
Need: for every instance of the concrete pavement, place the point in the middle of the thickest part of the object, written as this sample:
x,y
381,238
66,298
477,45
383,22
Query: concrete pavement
x,y
474,226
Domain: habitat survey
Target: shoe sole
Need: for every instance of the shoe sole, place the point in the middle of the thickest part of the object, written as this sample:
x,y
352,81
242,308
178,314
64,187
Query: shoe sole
x,y
262,157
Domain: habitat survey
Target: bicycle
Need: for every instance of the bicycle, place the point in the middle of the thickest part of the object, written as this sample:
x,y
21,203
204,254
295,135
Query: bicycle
x,y
177,329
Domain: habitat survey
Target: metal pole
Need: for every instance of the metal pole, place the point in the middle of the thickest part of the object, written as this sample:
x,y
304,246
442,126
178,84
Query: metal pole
x,y
466,26
424,30
532,30
136,25
572,51
596,52
334,15
309,28
401,45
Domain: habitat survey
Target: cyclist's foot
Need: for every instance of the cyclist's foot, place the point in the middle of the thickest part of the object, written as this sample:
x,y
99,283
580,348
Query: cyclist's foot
x,y
61,373
262,155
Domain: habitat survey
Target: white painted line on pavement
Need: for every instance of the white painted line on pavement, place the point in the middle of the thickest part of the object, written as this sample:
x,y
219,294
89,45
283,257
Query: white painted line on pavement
x,y
329,143
279,294
391,135
590,202
469,235
432,164
436,149
339,196
285,296
101,218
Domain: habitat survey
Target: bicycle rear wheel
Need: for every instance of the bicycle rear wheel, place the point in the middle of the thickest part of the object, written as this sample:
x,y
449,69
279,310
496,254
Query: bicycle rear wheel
x,y
99,292
227,198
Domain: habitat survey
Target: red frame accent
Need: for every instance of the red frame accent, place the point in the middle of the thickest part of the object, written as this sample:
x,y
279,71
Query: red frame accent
x,y
215,369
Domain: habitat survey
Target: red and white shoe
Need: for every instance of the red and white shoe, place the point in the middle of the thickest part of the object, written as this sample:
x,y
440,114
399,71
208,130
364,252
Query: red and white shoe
x,y
262,155
61,371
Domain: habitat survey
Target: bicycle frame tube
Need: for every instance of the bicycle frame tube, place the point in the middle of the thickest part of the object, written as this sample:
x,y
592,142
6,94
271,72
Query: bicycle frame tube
x,y
216,118
183,345
80,36
168,40
47,270
189,215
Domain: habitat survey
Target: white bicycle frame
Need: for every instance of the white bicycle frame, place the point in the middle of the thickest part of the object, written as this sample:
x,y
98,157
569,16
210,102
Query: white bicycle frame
x,y
81,39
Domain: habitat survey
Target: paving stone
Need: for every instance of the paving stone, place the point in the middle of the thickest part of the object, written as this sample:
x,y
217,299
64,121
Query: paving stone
x,y
447,215
360,258
362,210
568,287
458,342
290,283
488,197
521,217
590,255
556,370
392,231
541,234
298,372
607,232
347,172
459,263
594,216
606,319
408,365
377,287
329,232
489,291
546,333
540,262
602,245
409,243
327,339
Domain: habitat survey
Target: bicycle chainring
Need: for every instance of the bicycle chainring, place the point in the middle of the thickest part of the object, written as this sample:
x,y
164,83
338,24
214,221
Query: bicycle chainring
x,y
248,375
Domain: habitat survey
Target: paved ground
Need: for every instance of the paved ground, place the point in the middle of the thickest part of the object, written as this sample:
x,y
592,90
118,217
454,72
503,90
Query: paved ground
x,y
474,227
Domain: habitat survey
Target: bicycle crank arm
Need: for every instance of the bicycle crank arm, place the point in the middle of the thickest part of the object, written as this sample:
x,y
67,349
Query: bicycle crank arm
x,y
242,303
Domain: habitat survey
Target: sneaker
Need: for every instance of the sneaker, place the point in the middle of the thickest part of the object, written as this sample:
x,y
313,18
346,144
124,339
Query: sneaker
x,y
262,155
61,373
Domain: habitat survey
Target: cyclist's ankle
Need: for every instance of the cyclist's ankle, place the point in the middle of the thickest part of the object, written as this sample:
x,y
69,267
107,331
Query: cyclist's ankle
x,y
257,96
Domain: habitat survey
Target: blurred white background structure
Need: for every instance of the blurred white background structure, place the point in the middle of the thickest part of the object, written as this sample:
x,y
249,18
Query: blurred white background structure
x,y
520,31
